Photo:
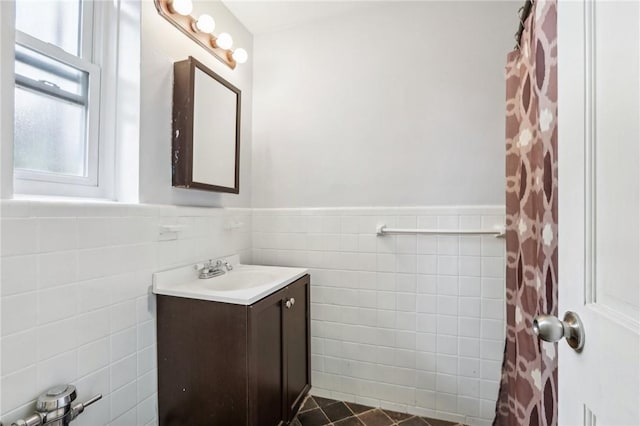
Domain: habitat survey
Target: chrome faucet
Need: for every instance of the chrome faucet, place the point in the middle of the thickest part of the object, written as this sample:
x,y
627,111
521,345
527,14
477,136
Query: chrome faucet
x,y
210,269
213,269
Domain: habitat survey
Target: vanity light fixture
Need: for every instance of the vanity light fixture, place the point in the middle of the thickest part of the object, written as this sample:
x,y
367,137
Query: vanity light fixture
x,y
200,30
240,55
205,23
224,41
181,7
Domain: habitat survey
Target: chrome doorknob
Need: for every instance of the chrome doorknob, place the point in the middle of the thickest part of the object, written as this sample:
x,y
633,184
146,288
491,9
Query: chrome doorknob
x,y
551,329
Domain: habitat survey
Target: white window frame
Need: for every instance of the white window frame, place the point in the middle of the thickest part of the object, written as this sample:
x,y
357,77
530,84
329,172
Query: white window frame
x,y
98,32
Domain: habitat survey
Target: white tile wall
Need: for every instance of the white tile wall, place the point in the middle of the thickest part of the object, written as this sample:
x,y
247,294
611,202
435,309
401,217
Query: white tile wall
x,y
411,323
76,303
403,322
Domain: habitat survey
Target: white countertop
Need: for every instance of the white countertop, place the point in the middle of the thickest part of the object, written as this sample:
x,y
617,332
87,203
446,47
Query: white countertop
x,y
244,285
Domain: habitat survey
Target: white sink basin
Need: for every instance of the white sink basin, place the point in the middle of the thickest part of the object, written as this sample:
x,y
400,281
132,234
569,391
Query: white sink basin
x,y
242,277
244,285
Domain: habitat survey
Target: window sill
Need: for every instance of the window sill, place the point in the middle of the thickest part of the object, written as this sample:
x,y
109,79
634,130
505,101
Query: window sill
x,y
62,199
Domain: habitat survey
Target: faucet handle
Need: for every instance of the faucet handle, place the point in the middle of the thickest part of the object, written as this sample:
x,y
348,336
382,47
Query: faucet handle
x,y
201,266
210,264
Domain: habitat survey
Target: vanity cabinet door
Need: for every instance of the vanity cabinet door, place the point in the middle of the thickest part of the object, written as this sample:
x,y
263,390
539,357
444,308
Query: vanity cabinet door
x,y
266,377
298,343
279,351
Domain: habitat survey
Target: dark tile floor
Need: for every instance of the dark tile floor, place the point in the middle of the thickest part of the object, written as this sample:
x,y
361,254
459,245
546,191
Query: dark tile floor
x,y
316,411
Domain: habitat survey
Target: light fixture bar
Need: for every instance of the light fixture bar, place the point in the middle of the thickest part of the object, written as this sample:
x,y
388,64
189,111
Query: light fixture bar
x,y
186,24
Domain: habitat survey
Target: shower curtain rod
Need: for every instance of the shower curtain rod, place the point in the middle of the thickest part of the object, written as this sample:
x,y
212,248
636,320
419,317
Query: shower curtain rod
x,y
523,14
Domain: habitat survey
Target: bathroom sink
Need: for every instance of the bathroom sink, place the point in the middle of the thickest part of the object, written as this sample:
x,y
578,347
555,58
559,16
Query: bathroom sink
x,y
243,285
242,277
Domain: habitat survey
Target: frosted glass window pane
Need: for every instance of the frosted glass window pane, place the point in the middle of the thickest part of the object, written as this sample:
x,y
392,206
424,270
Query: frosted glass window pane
x,y
49,134
53,21
42,68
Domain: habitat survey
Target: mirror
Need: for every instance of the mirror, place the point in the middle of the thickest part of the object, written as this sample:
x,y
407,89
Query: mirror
x,y
206,129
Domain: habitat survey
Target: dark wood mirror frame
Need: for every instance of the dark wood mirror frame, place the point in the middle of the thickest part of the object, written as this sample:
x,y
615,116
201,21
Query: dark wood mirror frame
x,y
183,131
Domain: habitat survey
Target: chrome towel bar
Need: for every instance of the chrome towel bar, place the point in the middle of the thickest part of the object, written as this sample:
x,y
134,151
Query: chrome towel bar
x,y
498,231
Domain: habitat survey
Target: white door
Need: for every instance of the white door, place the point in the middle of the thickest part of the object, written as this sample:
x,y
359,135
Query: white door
x,y
599,209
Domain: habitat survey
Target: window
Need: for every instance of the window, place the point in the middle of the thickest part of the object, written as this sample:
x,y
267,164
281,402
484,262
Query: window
x,y
57,142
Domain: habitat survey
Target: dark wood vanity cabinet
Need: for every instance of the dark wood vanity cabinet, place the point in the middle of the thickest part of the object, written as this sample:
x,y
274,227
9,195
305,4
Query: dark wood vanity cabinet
x,y
297,353
234,365
266,360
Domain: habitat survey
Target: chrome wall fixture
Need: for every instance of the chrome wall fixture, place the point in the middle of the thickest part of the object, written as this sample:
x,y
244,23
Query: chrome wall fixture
x,y
200,29
54,407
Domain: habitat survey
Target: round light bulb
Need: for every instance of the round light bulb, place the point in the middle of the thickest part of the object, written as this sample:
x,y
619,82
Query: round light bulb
x,y
182,7
240,55
224,41
206,24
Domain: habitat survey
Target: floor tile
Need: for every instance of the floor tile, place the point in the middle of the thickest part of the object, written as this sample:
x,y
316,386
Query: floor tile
x,y
308,404
396,416
357,408
413,421
337,411
351,421
375,418
318,411
436,422
313,417
323,402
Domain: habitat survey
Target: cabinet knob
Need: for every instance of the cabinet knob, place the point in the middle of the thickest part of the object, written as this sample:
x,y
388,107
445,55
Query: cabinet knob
x,y
293,301
288,304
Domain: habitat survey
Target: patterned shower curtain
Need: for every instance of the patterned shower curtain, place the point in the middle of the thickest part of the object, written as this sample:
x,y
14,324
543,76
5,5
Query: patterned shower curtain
x,y
529,386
